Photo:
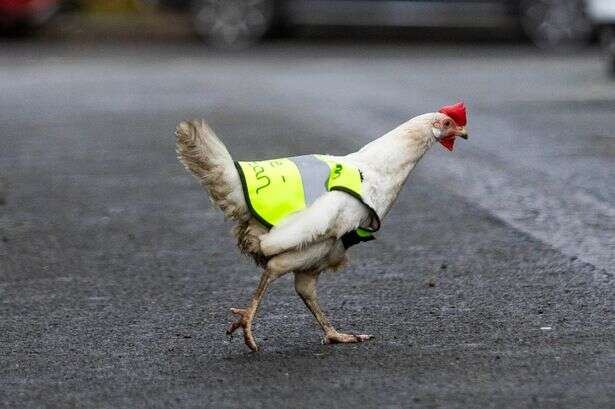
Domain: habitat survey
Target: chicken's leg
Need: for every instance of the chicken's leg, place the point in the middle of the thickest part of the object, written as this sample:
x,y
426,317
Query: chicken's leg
x,y
305,284
247,315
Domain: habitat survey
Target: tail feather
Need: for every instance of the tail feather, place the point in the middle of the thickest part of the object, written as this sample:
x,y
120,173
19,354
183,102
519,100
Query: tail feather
x,y
248,240
206,157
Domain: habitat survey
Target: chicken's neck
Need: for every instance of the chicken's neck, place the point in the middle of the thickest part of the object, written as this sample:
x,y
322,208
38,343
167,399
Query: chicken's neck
x,y
387,162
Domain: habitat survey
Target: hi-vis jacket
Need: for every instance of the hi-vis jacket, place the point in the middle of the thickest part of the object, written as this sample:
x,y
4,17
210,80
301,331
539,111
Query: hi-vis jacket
x,y
275,188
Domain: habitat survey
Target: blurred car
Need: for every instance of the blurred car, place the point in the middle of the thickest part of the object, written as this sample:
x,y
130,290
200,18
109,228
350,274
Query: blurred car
x,y
602,13
18,15
549,23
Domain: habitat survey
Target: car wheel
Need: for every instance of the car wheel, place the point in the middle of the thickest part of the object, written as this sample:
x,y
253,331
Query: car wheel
x,y
556,24
28,25
608,44
232,23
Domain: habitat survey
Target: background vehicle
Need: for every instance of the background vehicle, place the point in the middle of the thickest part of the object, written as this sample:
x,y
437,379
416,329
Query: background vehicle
x,y
20,15
602,12
549,23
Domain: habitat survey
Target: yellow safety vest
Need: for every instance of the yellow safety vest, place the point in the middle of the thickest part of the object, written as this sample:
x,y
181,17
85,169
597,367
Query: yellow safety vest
x,y
275,188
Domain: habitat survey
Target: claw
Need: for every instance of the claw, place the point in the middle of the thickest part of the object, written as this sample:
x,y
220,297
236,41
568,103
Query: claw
x,y
239,311
363,337
245,322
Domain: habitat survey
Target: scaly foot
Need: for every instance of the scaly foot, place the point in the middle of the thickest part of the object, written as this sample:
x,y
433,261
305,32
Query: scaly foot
x,y
339,338
245,322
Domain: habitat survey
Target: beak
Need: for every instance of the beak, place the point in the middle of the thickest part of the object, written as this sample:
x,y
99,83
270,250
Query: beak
x,y
462,132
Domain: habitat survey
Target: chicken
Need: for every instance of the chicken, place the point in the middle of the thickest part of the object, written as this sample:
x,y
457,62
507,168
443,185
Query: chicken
x,y
315,238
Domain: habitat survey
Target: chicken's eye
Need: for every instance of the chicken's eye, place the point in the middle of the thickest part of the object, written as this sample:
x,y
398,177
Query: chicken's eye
x,y
447,123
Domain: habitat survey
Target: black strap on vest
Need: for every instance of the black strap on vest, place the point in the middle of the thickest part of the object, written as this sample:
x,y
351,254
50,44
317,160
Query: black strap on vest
x,y
352,237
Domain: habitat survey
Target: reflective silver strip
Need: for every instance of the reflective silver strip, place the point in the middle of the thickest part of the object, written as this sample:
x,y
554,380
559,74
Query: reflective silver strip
x,y
314,174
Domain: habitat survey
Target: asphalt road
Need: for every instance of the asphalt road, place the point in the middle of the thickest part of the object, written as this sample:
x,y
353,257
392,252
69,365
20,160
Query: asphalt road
x,y
490,285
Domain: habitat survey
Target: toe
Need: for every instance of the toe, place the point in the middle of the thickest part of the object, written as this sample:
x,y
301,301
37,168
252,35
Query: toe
x,y
339,338
251,344
233,328
238,311
249,338
363,337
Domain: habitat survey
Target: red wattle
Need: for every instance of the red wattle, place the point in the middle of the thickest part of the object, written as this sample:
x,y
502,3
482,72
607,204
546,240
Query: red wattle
x,y
448,143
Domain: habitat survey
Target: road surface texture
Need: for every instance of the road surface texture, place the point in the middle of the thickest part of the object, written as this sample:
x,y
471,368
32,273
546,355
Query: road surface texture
x,y
491,283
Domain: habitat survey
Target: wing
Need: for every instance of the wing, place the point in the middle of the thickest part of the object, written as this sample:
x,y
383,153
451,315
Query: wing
x,y
331,216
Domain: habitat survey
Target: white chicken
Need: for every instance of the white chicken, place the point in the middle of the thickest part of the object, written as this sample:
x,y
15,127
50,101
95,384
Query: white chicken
x,y
314,238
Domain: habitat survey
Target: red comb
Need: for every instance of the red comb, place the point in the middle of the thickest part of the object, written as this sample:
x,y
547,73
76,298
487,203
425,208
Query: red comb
x,y
457,112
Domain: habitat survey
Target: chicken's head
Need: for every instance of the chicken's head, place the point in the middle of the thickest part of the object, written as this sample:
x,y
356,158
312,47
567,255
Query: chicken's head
x,y
450,123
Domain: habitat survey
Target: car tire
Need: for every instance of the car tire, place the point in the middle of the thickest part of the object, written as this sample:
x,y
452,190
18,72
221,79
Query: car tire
x,y
232,24
556,24
607,40
30,24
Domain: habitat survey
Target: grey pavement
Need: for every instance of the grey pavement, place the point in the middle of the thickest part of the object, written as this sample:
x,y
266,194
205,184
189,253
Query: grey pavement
x,y
490,285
